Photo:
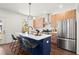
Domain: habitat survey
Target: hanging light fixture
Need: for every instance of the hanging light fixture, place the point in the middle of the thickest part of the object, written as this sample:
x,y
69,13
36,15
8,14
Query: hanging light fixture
x,y
29,15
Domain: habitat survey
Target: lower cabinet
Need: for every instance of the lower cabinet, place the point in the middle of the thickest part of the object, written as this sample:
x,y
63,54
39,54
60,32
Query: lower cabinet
x,y
54,38
43,48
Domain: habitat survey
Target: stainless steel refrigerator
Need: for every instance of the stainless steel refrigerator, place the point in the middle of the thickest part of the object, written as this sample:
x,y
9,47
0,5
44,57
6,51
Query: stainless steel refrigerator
x,y
66,35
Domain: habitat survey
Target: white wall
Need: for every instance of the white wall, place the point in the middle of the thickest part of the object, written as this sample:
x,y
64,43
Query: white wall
x,y
12,24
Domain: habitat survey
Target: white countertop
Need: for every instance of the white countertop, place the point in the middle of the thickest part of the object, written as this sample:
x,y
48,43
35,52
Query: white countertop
x,y
34,37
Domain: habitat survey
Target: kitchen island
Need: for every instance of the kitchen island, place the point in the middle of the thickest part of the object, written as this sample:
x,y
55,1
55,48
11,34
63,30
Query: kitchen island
x,y
43,43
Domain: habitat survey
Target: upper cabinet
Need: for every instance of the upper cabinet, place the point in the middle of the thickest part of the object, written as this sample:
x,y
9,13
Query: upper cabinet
x,y
70,14
62,16
38,22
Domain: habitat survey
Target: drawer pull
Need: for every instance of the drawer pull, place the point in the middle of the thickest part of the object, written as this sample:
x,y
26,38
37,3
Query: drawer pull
x,y
47,41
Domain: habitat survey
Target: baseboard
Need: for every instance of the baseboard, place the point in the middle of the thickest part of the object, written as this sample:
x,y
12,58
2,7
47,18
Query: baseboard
x,y
5,43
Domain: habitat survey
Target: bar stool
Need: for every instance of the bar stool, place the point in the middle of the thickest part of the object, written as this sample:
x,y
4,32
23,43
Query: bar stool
x,y
14,45
26,44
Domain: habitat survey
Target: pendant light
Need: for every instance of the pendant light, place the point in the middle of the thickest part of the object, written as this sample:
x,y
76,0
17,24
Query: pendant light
x,y
29,15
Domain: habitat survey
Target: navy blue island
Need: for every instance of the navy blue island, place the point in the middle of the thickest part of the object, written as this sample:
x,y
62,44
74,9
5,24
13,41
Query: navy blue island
x,y
43,43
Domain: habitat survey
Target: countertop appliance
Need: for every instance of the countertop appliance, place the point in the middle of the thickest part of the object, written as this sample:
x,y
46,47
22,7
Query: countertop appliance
x,y
67,34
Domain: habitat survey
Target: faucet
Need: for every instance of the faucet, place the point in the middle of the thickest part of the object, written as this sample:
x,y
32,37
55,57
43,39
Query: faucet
x,y
29,28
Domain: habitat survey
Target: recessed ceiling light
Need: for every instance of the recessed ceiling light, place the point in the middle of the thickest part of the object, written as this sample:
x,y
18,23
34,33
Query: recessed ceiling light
x,y
60,6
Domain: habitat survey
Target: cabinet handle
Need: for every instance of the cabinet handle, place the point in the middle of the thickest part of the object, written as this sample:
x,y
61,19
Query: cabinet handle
x,y
47,41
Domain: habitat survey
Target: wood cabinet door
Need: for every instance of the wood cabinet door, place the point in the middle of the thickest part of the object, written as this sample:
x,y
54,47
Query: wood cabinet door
x,y
54,38
38,22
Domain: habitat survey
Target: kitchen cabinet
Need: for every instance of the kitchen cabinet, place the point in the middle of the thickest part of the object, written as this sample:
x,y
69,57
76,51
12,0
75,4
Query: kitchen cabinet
x,y
38,22
43,48
54,38
43,43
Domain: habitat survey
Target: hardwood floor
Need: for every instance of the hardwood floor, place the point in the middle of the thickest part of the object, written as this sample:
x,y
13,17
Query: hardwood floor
x,y
6,50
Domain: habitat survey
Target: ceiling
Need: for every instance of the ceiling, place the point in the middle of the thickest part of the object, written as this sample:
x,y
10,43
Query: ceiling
x,y
36,8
